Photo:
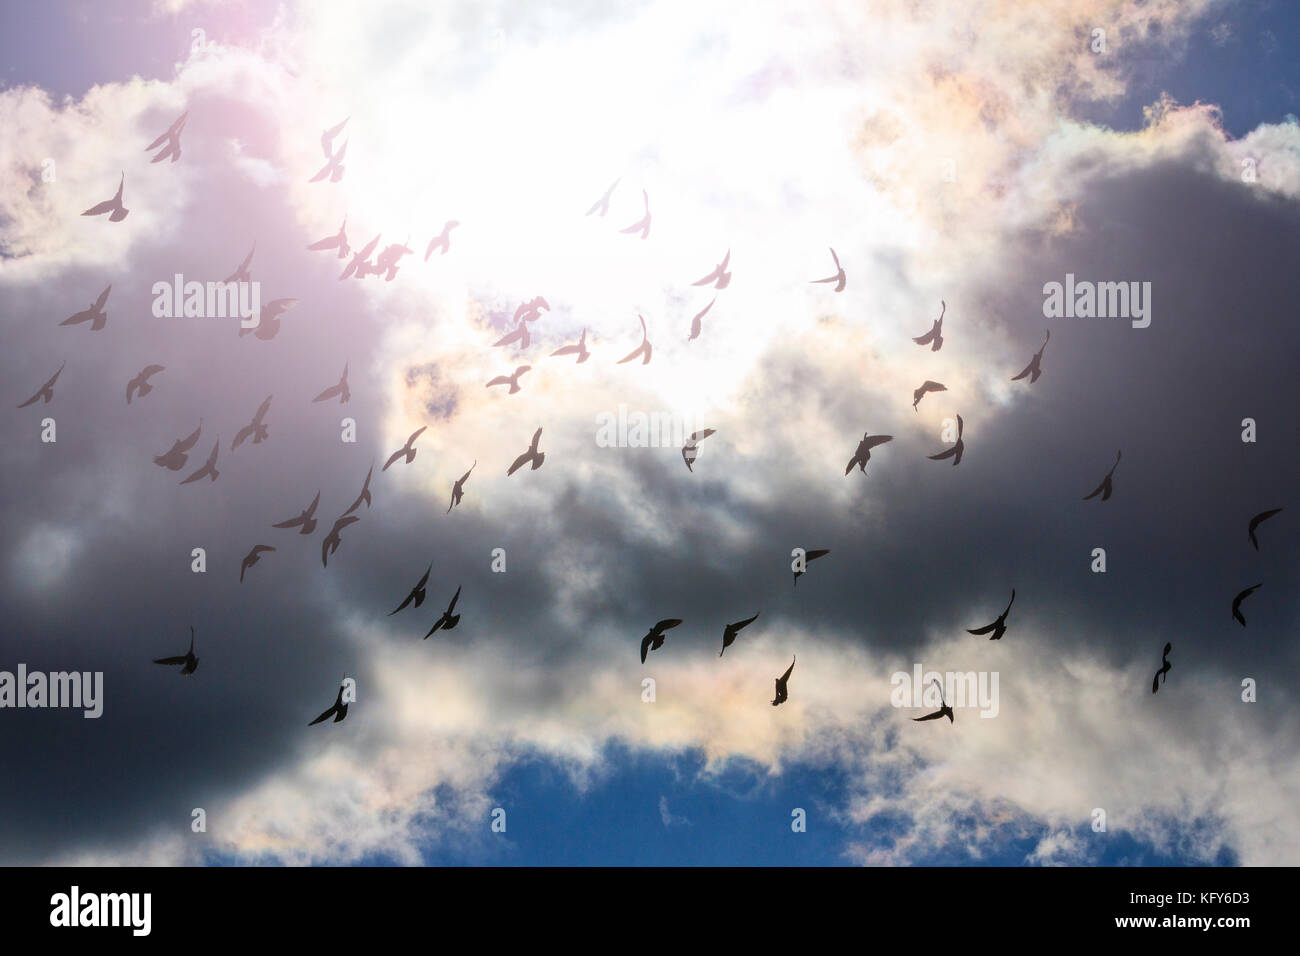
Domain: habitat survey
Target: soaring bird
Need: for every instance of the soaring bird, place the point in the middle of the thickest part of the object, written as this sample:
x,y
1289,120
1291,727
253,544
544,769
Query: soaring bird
x,y
256,429
697,322
1254,522
333,167
187,660
1104,489
448,620
719,278
730,632
512,380
579,349
139,386
926,386
114,205
386,262
365,494
934,338
601,205
518,334
241,273
531,310
644,349
1236,602
1164,668
46,391
337,241
331,542
998,627
943,711
809,556
442,241
252,558
690,450
417,593
209,469
642,225
306,521
955,452
95,315
531,455
863,453
268,322
458,487
172,137
338,710
339,391
781,692
176,456
654,638
407,450
1034,368
327,137
359,263
839,278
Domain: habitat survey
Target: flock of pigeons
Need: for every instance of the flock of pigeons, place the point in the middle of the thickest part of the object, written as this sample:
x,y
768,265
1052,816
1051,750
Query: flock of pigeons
x,y
386,264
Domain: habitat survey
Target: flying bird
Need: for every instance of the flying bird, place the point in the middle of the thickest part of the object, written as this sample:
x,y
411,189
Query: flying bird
x,y
1255,522
532,455
338,710
333,167
209,469
46,391
1104,489
531,310
407,450
730,632
808,557
172,137
862,454
955,452
511,380
113,205
176,456
934,338
95,315
458,487
241,273
601,205
781,693
327,137
926,386
1236,602
359,263
719,278
365,494
448,620
339,391
998,627
839,278
1034,368
331,542
256,429
642,225
268,323
943,711
697,324
417,593
337,241
386,262
139,386
187,660
654,638
690,451
252,558
518,334
306,521
580,349
442,241
1165,667
643,350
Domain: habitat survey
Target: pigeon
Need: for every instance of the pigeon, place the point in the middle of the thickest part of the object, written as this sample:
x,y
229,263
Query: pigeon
x,y
731,630
114,205
333,167
955,452
338,710
331,542
417,593
95,315
926,386
1104,489
140,384
808,557
943,711
256,429
511,380
1034,368
719,278
46,391
998,627
339,391
448,620
268,322
209,469
407,450
690,449
531,455
1165,667
601,205
364,496
839,278
697,323
1254,522
781,693
306,521
241,273
187,660
327,137
654,638
458,487
642,225
643,350
359,263
863,453
442,241
172,137
580,349
934,338
337,241
1236,603
252,558
176,456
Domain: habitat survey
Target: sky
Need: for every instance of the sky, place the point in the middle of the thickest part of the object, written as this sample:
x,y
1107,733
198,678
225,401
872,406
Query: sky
x,y
958,158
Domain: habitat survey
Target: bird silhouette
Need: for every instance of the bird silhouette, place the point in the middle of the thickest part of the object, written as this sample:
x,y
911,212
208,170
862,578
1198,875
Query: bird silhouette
x,y
306,521
442,241
926,386
252,558
448,620
690,451
176,456
339,391
579,349
1254,522
327,137
532,455
172,137
337,241
189,663
256,429
782,694
1104,489
955,452
697,322
644,349
1236,602
531,310
46,391
839,278
601,205
331,542
512,380
1034,368
862,454
417,593
139,386
95,315
386,262
730,632
808,558
654,638
719,278
241,273
268,323
642,225
998,627
113,206
365,493
934,338
943,711
359,265
458,487
518,334
333,167
338,710
407,450
209,469
1165,667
